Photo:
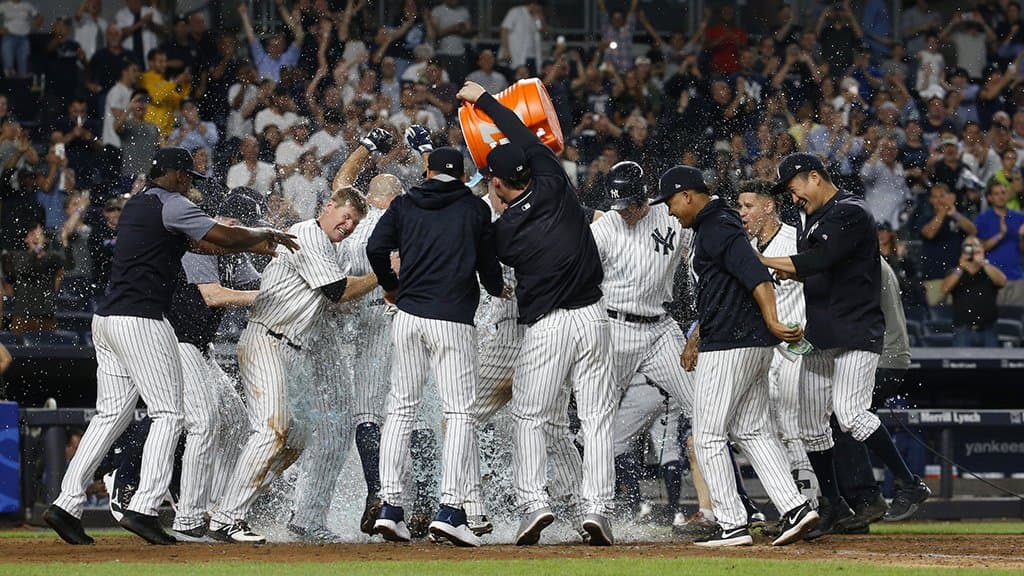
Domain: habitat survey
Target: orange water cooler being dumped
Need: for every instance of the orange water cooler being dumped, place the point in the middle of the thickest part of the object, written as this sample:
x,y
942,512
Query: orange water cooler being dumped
x,y
530,101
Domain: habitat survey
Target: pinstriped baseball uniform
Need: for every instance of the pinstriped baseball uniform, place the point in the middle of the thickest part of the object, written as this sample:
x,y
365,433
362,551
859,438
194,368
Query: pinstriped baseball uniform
x,y
136,349
731,395
784,373
281,323
640,262
500,339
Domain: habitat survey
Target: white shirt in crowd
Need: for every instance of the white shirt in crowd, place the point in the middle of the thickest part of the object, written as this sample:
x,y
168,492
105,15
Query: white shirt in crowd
x,y
304,194
492,81
445,17
118,97
288,152
267,116
327,145
18,17
238,126
523,36
89,33
401,121
261,179
124,18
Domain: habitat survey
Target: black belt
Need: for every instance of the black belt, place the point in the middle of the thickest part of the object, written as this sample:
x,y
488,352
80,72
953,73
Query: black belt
x,y
633,317
283,339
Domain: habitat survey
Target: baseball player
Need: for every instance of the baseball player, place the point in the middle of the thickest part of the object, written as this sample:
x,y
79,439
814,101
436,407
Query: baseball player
x,y
296,290
500,345
838,263
738,327
444,236
854,471
771,237
136,349
542,235
207,286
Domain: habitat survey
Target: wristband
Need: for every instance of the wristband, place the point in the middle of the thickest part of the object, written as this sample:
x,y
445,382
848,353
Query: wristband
x,y
691,329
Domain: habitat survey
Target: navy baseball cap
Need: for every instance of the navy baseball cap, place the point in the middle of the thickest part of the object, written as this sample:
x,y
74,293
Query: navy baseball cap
x,y
241,208
678,179
447,160
176,159
796,163
506,161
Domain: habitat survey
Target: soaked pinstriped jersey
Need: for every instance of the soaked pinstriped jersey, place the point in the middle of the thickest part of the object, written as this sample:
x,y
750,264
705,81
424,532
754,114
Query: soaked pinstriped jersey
x,y
640,260
290,298
789,294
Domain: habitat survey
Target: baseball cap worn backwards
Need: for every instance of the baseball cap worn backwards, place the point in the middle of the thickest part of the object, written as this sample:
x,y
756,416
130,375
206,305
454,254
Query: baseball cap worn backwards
x,y
678,179
794,164
447,160
176,159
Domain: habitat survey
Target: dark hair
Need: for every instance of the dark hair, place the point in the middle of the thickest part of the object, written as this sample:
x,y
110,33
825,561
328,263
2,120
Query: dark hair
x,y
139,92
155,52
520,181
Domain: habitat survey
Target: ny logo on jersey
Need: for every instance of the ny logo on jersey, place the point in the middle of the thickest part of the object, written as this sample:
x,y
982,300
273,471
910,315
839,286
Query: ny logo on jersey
x,y
664,243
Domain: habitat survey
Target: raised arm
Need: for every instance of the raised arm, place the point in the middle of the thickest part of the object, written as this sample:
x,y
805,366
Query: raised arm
x,y
243,13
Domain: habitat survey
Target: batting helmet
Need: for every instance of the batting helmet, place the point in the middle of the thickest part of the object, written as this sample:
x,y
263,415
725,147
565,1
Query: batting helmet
x,y
624,185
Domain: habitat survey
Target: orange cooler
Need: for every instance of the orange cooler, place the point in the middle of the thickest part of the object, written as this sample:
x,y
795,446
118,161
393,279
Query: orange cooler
x,y
530,101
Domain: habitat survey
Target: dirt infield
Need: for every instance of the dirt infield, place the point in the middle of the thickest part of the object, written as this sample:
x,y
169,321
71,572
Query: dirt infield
x,y
976,551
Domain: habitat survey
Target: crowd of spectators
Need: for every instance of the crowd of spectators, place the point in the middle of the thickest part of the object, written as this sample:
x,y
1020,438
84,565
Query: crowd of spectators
x,y
926,120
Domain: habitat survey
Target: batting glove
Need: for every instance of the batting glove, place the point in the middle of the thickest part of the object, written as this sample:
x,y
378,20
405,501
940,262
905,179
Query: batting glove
x,y
378,140
418,138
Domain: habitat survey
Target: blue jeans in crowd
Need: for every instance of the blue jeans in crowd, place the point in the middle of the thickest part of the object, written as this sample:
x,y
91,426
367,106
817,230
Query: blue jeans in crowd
x,y
14,51
968,337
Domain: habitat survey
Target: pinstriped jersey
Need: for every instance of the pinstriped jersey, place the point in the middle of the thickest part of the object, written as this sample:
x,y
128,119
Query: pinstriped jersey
x,y
290,298
789,294
640,260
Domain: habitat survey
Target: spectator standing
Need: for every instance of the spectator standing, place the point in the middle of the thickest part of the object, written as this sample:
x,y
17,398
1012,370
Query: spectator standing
x,y
251,171
724,41
885,185
942,230
74,238
973,285
117,101
20,18
244,99
64,62
141,27
35,274
165,95
90,27
192,132
969,33
521,31
1001,233
270,59
139,137
1009,175
452,25
485,74
617,30
931,65
105,66
307,189
280,112
838,32
80,136
916,24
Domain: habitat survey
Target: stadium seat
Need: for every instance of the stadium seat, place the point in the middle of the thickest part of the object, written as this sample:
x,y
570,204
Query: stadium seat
x,y
937,327
939,340
10,339
51,338
1011,332
914,329
941,313
1011,312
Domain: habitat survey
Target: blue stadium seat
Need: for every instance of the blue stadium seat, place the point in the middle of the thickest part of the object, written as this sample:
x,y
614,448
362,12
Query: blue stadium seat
x,y
914,328
51,338
1011,332
1011,312
941,340
932,327
941,313
9,339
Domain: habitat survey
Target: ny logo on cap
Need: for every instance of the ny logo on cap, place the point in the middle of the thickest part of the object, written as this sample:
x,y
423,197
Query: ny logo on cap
x,y
614,193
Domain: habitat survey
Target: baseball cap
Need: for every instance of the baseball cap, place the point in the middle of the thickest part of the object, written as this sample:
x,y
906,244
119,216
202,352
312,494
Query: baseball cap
x,y
176,159
506,161
241,208
678,179
447,160
950,140
794,164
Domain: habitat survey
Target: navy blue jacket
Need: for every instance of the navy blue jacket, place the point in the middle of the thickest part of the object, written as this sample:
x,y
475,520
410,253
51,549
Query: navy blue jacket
x,y
543,235
838,262
727,270
444,236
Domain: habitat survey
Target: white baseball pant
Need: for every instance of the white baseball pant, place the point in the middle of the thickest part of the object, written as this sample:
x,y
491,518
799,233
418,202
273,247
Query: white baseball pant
x,y
372,365
135,357
232,432
447,350
784,398
651,349
731,400
644,408
836,380
565,347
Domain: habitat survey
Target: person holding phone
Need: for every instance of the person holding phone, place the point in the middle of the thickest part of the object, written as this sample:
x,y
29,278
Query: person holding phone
x,y
974,284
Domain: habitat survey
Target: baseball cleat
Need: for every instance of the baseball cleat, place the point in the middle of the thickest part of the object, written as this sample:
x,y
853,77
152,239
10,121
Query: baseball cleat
x,y
796,523
146,527
314,535
835,517
532,525
907,501
66,526
722,537
370,512
237,533
696,527
866,514
480,525
391,524
450,524
195,535
600,530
